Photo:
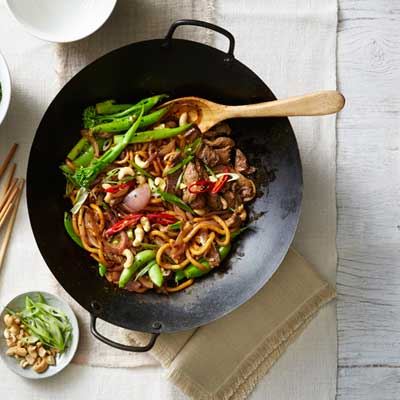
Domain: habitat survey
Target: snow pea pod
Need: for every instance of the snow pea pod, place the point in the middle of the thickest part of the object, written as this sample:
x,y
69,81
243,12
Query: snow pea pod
x,y
155,274
70,230
141,259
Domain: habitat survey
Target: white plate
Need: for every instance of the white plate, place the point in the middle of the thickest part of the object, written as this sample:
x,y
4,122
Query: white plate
x,y
5,82
61,21
63,360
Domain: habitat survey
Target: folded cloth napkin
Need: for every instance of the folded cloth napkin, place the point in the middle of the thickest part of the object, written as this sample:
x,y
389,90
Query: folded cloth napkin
x,y
225,359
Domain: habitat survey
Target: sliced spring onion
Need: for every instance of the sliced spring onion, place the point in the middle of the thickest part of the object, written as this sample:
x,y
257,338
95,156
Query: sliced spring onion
x,y
145,269
232,175
141,170
176,226
179,181
171,198
46,323
209,171
80,199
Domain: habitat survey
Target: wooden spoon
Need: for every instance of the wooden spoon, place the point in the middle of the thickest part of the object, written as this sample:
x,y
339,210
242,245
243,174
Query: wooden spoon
x,y
206,113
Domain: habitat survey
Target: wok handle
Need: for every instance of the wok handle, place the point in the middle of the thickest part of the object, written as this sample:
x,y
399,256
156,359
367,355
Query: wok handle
x,y
203,24
120,346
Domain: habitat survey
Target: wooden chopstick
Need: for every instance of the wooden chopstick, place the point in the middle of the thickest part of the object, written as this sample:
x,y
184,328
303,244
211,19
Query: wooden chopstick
x,y
11,221
9,181
11,175
8,158
10,192
6,212
8,204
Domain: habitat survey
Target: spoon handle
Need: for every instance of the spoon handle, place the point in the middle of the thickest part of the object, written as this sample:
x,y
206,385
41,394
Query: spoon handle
x,y
318,103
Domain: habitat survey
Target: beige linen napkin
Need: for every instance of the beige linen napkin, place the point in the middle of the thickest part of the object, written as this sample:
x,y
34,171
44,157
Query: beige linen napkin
x,y
226,359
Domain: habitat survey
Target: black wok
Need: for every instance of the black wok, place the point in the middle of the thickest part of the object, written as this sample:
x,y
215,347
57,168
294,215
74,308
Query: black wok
x,y
180,68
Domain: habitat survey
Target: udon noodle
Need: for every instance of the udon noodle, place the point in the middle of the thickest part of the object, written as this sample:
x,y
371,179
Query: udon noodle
x,y
163,211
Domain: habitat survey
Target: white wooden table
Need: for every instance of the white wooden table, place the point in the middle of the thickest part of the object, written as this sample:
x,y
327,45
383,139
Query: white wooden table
x,y
368,193
368,212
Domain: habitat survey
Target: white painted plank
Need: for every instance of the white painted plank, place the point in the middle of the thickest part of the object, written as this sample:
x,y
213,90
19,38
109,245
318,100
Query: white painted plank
x,y
369,384
368,198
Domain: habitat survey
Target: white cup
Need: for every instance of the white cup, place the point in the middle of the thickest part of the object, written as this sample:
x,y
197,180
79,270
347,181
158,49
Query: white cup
x,y
61,21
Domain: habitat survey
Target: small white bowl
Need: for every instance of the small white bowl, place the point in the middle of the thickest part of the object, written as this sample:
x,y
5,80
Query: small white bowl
x,y
17,304
5,82
61,21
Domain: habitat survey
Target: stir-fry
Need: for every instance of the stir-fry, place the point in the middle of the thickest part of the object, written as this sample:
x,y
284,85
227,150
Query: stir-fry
x,y
155,202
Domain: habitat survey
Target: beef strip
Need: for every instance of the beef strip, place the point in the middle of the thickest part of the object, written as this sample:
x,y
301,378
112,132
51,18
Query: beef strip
x,y
218,130
214,201
171,181
231,199
208,155
245,188
241,163
193,173
167,148
217,151
192,134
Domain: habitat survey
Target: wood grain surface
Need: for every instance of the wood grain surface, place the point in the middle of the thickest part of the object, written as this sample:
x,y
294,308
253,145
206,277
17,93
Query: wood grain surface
x,y
368,197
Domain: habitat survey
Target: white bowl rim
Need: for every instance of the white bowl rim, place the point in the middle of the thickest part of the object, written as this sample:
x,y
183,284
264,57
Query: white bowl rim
x,y
40,34
73,348
5,83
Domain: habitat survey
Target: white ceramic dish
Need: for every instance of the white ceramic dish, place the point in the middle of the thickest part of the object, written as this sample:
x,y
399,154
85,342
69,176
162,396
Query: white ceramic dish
x,y
61,21
62,360
5,82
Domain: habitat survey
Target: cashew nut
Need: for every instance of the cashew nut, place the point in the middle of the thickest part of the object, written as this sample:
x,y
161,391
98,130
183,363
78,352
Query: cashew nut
x,y
11,342
6,333
125,171
30,359
11,351
8,320
129,258
40,365
23,363
140,162
144,221
20,351
14,329
108,197
160,183
139,235
199,211
224,203
183,119
51,360
31,349
42,352
160,126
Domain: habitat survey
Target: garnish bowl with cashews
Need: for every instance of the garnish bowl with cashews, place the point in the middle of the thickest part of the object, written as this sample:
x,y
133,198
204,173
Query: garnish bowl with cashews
x,y
154,201
39,335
